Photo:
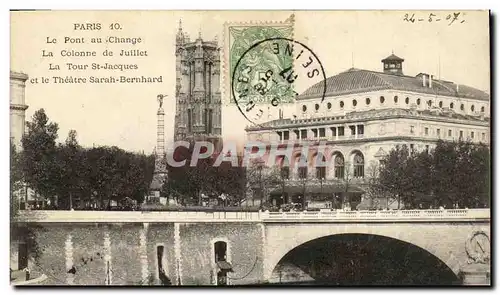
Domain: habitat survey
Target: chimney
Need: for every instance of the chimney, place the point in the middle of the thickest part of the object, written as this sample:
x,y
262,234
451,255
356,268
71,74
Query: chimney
x,y
430,81
423,79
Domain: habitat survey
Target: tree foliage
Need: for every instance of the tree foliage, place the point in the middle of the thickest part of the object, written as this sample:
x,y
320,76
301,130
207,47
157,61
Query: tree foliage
x,y
70,172
188,182
453,174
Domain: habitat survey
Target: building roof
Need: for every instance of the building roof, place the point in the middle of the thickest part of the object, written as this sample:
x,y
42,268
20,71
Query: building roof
x,y
359,81
392,57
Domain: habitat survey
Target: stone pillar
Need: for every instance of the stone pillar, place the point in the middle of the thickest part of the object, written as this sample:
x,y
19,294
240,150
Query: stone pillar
x,y
476,275
177,253
68,247
143,252
108,274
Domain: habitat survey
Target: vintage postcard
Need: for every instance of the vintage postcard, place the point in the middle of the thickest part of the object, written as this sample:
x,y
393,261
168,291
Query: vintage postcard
x,y
256,148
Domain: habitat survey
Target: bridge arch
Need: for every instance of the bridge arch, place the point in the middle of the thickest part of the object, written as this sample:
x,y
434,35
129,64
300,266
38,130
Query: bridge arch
x,y
283,241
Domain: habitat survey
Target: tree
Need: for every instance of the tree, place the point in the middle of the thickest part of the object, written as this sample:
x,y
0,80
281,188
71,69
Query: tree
x,y
393,178
38,156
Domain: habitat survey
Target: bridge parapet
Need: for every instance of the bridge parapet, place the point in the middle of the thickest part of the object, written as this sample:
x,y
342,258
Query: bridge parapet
x,y
60,216
393,215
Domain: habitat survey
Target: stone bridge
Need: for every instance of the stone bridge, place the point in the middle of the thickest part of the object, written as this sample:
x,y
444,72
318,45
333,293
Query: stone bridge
x,y
196,248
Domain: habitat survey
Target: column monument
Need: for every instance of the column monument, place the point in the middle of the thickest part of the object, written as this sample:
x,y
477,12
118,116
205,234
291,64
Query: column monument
x,y
160,170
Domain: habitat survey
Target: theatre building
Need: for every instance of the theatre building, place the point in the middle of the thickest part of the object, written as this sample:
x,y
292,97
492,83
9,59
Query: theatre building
x,y
364,115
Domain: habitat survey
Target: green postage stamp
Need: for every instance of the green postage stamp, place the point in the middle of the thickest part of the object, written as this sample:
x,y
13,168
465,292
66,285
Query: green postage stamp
x,y
249,58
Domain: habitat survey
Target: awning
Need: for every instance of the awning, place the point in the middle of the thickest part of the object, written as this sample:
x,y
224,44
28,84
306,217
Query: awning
x,y
224,265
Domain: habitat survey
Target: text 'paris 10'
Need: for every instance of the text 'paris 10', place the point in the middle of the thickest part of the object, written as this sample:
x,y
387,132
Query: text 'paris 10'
x,y
95,26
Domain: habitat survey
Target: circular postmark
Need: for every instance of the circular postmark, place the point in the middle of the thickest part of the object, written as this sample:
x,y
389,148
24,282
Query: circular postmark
x,y
268,74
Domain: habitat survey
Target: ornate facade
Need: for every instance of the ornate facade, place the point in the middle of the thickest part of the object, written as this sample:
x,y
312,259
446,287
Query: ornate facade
x,y
198,97
367,113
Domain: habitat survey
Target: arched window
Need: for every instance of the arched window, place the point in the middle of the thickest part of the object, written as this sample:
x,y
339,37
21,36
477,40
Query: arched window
x,y
396,99
339,166
341,104
354,102
359,166
429,102
221,262
316,107
367,101
472,108
284,167
320,162
482,109
418,101
451,105
382,99
301,163
440,104
462,107
329,105
407,100
304,108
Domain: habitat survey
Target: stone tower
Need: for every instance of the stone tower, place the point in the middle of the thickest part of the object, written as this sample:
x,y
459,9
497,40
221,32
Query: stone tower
x,y
198,97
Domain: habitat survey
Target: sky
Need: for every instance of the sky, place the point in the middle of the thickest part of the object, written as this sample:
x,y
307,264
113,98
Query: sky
x,y
125,115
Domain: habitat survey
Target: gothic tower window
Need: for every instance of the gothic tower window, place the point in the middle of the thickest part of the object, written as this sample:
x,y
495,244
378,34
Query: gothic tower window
x,y
359,165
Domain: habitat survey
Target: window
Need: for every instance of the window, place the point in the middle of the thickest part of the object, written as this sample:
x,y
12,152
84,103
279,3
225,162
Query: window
x,y
320,167
451,105
341,104
190,118
359,166
427,148
316,107
329,105
449,133
440,104
302,172
412,148
382,99
482,109
426,131
429,102
483,136
396,99
361,129
472,108
280,135
321,132
303,134
354,102
341,130
462,107
353,129
438,132
386,66
304,108
461,134
412,129
339,166
407,100
367,101
334,131
285,172
472,135
418,101
286,135
315,133
392,66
